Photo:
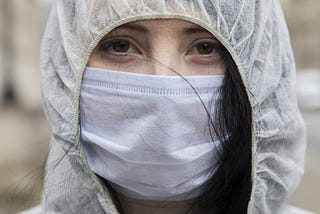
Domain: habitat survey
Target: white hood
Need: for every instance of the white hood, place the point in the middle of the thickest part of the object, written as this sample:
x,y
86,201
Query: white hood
x,y
255,34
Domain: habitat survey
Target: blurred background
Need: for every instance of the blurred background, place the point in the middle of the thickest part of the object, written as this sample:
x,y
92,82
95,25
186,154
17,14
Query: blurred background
x,y
25,134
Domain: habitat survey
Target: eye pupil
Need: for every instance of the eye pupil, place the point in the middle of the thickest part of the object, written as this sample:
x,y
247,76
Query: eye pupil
x,y
205,48
121,46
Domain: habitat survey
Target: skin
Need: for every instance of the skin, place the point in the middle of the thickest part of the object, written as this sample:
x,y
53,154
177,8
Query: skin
x,y
159,47
137,206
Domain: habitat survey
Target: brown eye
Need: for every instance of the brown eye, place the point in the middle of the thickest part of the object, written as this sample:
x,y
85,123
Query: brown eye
x,y
121,46
205,48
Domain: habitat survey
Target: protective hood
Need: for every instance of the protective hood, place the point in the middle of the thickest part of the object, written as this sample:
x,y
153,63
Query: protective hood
x,y
255,34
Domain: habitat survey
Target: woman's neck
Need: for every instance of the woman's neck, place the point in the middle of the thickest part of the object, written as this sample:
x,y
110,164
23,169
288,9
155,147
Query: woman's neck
x,y
137,206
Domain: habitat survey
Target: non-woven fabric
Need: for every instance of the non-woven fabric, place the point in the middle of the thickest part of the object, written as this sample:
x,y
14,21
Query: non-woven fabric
x,y
255,34
148,135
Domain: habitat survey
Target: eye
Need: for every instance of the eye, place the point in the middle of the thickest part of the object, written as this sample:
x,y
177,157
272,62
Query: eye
x,y
121,46
206,49
118,47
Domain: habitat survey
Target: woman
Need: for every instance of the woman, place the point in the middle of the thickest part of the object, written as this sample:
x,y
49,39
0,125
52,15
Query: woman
x,y
170,107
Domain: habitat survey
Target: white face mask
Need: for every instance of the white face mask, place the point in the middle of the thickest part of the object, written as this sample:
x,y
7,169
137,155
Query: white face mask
x,y
148,135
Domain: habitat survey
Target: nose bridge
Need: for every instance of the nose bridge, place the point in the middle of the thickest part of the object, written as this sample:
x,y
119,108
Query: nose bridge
x,y
166,57
166,63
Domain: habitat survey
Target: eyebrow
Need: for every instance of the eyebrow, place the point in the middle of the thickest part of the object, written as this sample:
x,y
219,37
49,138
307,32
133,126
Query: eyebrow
x,y
134,27
193,30
142,29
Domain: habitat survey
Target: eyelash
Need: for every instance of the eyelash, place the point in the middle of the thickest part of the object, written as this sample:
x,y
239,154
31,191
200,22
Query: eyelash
x,y
217,48
104,47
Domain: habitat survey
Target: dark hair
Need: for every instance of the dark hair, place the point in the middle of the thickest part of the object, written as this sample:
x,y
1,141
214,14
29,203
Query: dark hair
x,y
229,188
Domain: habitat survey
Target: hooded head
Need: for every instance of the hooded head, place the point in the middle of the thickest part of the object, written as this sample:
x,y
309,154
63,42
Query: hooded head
x,y
252,31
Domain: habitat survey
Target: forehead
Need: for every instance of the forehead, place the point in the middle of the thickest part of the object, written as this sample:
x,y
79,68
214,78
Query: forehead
x,y
162,25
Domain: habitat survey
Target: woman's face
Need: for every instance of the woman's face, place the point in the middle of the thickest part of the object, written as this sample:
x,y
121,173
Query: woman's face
x,y
160,47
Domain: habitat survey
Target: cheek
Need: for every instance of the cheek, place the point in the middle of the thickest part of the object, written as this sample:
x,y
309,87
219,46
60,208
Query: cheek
x,y
145,66
134,66
218,68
